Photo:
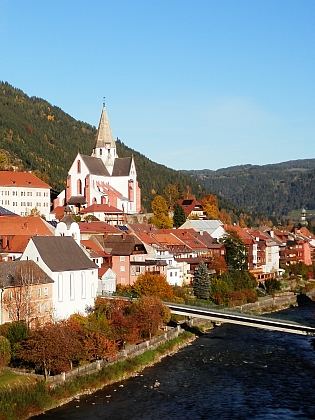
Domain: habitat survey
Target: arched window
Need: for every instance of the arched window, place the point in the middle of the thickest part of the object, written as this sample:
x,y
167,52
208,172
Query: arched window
x,y
83,285
79,166
60,287
79,187
71,286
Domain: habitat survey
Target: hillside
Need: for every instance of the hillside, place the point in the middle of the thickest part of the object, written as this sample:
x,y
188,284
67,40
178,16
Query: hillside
x,y
274,190
34,135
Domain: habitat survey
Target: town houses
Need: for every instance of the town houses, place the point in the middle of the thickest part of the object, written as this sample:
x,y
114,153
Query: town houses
x,y
60,260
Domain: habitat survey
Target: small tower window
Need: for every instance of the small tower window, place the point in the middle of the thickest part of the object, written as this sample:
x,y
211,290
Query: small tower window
x,y
79,166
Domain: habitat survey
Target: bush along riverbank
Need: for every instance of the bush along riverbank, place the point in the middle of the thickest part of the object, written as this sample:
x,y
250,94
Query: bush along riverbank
x,y
26,401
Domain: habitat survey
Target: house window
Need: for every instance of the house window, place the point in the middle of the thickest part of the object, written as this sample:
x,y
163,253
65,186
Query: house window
x,y
122,258
39,292
9,295
137,269
46,291
10,313
122,268
122,280
71,286
60,287
83,286
46,307
39,309
79,166
92,290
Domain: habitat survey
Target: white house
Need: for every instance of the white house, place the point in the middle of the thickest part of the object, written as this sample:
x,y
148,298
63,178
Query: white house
x,y
107,282
213,227
75,275
20,192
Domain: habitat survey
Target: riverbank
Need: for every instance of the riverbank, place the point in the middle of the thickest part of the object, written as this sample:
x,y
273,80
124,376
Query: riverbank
x,y
28,401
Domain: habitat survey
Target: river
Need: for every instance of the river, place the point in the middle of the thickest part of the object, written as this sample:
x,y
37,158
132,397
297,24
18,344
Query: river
x,y
233,372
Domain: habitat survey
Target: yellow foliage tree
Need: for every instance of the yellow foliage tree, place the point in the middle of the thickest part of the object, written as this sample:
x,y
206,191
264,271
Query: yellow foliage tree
x,y
149,284
210,206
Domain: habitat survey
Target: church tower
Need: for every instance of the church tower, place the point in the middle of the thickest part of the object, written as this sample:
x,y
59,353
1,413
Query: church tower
x,y
105,146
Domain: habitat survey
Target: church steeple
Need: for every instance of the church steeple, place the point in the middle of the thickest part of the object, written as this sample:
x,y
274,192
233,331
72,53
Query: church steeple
x,y
105,146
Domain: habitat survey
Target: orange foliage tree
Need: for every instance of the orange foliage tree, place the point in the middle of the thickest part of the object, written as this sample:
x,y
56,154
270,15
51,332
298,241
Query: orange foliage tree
x,y
149,284
149,313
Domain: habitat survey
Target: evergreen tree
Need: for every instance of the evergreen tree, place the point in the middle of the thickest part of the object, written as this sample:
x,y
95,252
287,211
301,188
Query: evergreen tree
x,y
179,216
236,252
201,282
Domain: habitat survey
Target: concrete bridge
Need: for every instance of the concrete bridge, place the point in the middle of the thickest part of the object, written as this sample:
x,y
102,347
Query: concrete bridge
x,y
241,319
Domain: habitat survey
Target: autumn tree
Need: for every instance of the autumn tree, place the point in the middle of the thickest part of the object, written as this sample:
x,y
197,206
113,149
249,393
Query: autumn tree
x,y
179,216
171,194
148,284
218,264
52,347
160,218
224,217
149,313
210,206
201,281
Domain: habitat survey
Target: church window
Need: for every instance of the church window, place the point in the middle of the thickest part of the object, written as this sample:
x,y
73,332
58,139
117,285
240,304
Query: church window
x,y
79,187
71,286
101,152
79,166
83,285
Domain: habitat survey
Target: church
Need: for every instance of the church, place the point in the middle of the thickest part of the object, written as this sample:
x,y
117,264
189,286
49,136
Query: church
x,y
103,177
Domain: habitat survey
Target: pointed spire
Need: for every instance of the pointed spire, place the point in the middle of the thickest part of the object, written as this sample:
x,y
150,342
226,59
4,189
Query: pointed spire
x,y
104,136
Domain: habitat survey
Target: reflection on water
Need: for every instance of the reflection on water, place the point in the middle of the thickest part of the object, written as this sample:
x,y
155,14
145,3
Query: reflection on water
x,y
233,372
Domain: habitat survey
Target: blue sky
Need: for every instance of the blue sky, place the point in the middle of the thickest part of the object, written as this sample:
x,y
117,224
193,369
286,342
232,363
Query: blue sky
x,y
191,84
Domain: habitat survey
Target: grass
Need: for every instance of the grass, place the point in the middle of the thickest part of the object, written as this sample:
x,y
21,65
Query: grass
x,y
32,399
9,379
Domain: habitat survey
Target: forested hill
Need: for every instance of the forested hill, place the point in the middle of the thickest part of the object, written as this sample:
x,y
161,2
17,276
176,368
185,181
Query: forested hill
x,y
274,189
39,136
35,135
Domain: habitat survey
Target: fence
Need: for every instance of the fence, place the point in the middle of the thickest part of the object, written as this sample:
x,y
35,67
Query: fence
x,y
128,352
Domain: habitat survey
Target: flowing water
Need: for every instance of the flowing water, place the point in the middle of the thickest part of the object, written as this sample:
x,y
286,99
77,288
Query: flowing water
x,y
233,372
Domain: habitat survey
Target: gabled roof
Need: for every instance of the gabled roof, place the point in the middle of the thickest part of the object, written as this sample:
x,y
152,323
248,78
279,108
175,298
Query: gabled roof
x,y
21,179
122,244
11,274
62,253
95,165
122,166
101,208
30,226
104,133
190,205
97,227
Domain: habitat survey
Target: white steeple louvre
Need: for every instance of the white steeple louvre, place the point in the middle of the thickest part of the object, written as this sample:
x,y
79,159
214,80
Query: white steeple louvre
x,y
105,146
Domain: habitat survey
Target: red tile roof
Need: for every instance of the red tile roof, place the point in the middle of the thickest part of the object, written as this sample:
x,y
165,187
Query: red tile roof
x,y
30,226
97,227
21,179
103,208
